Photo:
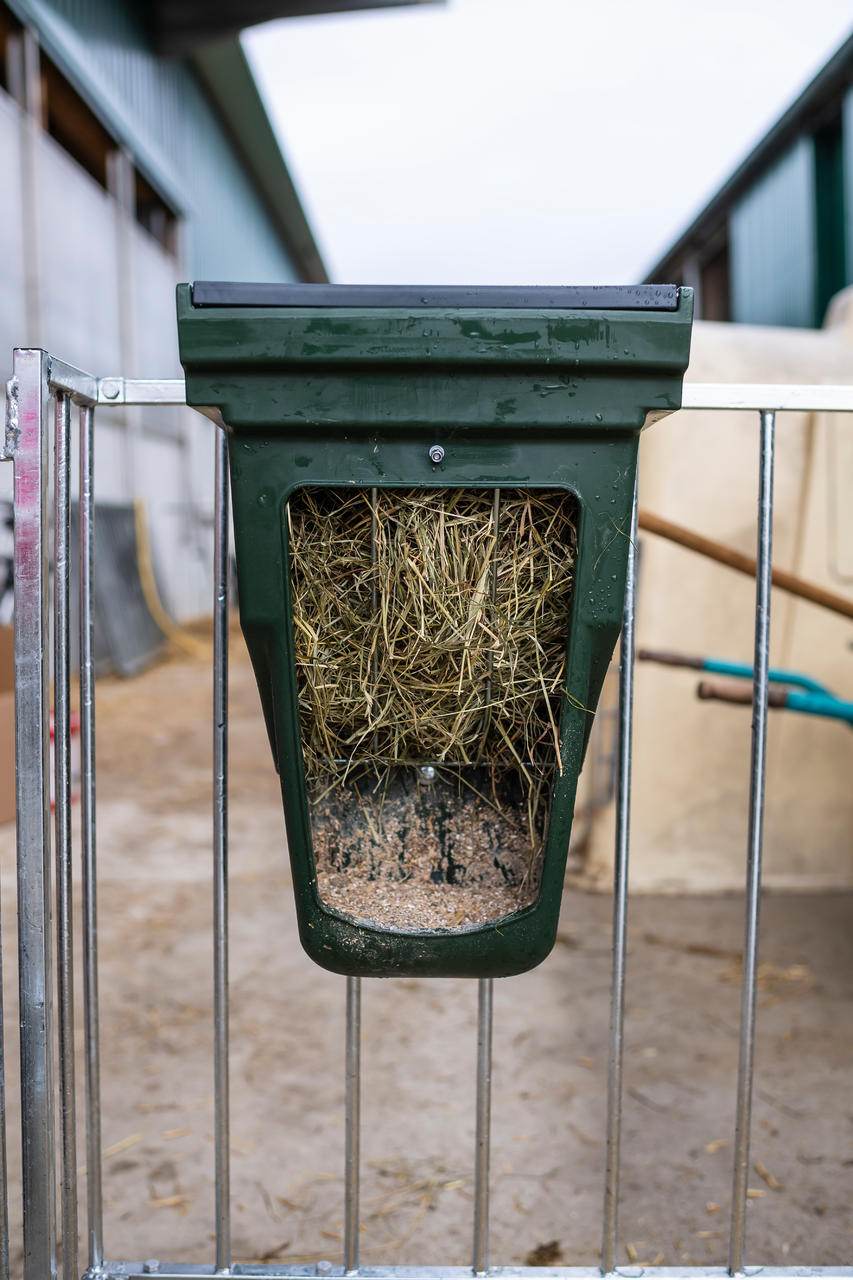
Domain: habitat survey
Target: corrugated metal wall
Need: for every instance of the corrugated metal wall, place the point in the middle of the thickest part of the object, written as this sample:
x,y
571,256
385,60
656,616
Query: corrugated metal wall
x,y
82,278
847,152
105,301
772,244
173,131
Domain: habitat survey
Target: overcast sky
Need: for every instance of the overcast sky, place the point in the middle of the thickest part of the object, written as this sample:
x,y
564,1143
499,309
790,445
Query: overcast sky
x,y
527,141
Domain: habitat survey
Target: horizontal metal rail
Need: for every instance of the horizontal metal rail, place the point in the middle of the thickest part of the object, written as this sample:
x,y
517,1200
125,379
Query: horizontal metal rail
x,y
803,397
797,397
152,391
170,1271
86,390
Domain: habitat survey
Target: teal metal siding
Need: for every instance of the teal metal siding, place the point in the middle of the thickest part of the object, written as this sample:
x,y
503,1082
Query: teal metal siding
x,y
847,179
231,230
163,116
830,231
773,244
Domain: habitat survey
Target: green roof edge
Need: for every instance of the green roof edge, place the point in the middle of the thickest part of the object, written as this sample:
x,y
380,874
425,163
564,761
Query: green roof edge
x,y
832,78
224,71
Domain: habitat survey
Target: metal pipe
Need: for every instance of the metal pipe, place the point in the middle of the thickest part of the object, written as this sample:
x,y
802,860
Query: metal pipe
x,y
484,1120
620,907
799,397
352,1105
62,791
284,1271
150,391
4,1197
741,694
722,667
493,597
353,1124
374,574
221,573
761,666
374,527
496,516
86,509
32,745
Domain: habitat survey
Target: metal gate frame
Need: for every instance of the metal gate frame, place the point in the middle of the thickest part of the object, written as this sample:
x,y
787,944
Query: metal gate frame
x,y
39,380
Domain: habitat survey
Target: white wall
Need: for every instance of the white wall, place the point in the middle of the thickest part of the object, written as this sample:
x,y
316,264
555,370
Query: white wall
x,y
691,758
81,278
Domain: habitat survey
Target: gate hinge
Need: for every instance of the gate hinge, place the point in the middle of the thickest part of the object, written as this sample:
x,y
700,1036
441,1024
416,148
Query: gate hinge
x,y
10,439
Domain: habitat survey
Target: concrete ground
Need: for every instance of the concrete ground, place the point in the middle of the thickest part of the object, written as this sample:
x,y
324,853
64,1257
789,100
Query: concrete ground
x,y
550,1048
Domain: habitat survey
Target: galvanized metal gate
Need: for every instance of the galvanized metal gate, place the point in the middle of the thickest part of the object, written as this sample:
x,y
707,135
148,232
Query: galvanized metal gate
x,y
40,397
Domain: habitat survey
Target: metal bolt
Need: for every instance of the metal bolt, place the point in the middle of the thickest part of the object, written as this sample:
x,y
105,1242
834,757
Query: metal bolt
x,y
427,773
111,389
324,1268
151,1266
436,454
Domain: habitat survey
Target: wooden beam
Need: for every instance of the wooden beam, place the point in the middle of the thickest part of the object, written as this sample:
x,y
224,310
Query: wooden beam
x,y
785,581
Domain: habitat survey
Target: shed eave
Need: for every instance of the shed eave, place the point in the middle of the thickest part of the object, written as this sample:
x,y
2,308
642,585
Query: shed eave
x,y
178,27
831,80
224,72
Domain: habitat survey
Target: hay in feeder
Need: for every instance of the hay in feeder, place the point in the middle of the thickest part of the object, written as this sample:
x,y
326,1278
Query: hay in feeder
x,y
430,631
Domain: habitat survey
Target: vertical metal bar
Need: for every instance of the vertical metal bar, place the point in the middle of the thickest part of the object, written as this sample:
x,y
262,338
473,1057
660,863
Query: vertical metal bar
x,y
4,1198
620,906
493,596
496,516
756,829
353,1124
485,988
32,745
374,524
484,1121
62,789
221,573
374,579
86,508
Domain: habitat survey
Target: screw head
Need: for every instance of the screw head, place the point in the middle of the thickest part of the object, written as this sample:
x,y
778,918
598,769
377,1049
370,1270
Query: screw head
x,y
428,772
436,454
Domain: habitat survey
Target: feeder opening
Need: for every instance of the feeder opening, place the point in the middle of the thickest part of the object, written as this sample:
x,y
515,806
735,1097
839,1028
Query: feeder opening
x,y
430,631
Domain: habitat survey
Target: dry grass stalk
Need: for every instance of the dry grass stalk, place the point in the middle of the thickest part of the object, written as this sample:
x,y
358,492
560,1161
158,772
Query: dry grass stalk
x,y
439,671
430,627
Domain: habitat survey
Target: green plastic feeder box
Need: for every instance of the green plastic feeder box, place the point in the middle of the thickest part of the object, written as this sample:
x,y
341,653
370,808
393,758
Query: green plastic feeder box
x,y
432,497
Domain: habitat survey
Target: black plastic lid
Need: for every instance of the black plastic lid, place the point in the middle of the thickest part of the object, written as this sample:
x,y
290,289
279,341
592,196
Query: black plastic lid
x,y
604,297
